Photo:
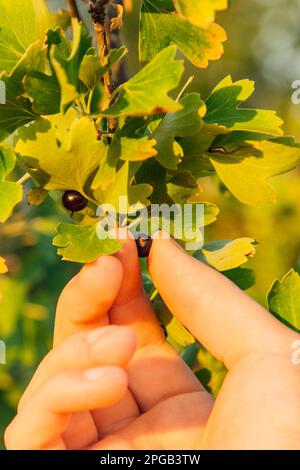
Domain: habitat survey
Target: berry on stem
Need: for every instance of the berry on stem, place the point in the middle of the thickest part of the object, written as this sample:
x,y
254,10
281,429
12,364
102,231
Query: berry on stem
x,y
73,201
143,243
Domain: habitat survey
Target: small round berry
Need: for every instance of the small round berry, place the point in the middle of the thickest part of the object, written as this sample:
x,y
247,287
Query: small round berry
x,y
144,244
73,201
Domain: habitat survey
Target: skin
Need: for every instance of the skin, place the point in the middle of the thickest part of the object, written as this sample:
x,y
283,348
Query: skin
x,y
113,382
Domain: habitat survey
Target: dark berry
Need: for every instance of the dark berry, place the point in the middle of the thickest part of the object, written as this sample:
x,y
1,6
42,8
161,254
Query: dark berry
x,y
73,201
143,243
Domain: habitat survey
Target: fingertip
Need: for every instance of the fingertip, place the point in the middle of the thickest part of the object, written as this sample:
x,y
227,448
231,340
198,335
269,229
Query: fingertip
x,y
116,344
111,383
87,298
161,245
132,279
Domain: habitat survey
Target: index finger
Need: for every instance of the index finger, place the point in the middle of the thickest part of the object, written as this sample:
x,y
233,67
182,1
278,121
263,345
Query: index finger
x,y
222,317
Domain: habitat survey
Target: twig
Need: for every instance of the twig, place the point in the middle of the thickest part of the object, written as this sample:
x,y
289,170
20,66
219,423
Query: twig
x,y
98,14
73,8
24,178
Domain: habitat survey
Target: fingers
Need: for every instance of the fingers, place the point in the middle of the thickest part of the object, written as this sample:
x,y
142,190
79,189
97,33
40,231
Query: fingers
x,y
85,301
84,305
177,423
47,413
224,319
156,370
131,306
110,345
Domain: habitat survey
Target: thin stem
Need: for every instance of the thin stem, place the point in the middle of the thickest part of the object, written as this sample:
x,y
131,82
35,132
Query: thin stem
x,y
24,178
186,85
98,15
89,103
73,8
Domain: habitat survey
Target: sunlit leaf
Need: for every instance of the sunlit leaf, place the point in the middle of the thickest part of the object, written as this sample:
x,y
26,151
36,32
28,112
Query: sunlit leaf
x,y
223,108
147,92
161,26
17,110
246,171
184,123
80,243
284,300
61,152
22,22
225,255
11,193
201,12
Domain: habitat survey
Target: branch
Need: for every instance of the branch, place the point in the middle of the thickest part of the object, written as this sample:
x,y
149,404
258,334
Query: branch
x,y
97,11
73,8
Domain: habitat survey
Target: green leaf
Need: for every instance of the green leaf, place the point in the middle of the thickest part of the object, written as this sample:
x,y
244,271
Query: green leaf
x,y
64,84
10,193
71,53
147,92
22,22
91,70
66,58
62,151
284,300
223,108
200,13
3,267
80,243
226,255
246,171
132,148
17,111
244,278
44,91
173,328
160,26
184,123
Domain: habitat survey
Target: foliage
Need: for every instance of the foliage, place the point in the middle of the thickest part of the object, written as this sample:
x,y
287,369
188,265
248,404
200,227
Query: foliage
x,y
166,141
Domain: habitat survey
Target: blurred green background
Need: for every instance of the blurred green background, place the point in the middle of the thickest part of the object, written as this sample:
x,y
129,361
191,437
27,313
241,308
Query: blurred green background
x,y
263,45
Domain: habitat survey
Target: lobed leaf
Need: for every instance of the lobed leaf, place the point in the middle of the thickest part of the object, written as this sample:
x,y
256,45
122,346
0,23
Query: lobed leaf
x,y
22,22
160,26
246,171
284,300
227,255
184,123
61,151
147,92
223,108
80,243
17,110
11,193
200,13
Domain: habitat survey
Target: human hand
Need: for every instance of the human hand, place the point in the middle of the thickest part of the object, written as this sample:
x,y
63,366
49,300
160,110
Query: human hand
x,y
143,396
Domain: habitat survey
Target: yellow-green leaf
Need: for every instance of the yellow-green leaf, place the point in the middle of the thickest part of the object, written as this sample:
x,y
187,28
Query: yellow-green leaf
x,y
22,22
284,300
61,151
223,108
226,255
80,243
147,92
160,26
246,172
200,12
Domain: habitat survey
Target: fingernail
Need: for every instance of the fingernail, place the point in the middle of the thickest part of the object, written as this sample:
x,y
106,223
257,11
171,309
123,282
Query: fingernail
x,y
93,375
